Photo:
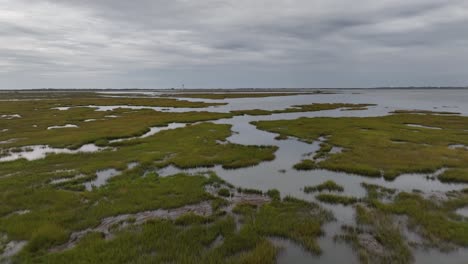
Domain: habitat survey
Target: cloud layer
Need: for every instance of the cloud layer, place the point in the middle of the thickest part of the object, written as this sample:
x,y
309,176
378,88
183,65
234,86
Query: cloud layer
x,y
232,43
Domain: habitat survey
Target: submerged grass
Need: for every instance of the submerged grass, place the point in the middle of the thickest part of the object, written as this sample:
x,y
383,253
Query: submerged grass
x,y
434,220
377,239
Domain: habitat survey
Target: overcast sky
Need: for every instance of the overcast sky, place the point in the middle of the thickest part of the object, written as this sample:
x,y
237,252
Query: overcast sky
x,y
232,43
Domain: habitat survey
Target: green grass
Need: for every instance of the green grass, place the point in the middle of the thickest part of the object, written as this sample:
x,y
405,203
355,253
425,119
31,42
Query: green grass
x,y
224,192
31,129
436,222
245,208
370,147
323,152
274,194
455,175
281,137
291,218
305,165
336,199
329,185
302,108
376,192
191,219
190,237
249,191
56,211
153,242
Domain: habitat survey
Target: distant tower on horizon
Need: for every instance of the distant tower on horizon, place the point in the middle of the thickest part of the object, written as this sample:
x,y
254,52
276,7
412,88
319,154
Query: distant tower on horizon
x,y
183,86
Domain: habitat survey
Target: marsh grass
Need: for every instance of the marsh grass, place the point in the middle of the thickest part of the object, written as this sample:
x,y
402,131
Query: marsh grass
x,y
249,191
224,192
57,210
128,124
329,185
454,175
305,165
336,199
377,192
434,220
370,147
191,218
301,108
322,153
274,194
190,237
290,218
388,243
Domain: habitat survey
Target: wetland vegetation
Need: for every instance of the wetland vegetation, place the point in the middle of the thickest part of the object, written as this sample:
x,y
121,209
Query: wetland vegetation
x,y
51,213
327,186
234,95
383,146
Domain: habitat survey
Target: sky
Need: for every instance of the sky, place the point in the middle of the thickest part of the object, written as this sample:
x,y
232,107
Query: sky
x,y
232,43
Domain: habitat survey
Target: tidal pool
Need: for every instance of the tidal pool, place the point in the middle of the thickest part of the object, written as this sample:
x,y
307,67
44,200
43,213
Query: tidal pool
x,y
40,152
101,178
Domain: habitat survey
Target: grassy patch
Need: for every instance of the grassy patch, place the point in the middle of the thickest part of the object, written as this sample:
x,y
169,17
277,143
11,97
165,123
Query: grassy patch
x,y
281,137
192,237
377,192
224,192
377,239
249,191
327,186
454,175
301,108
191,218
305,165
294,219
336,199
274,194
436,222
370,147
245,208
322,153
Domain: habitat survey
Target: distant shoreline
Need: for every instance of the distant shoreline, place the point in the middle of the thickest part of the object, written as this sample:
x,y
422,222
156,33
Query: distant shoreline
x,y
227,90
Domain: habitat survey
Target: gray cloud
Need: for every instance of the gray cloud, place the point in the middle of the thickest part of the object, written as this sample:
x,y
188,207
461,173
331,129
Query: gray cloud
x,y
227,43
